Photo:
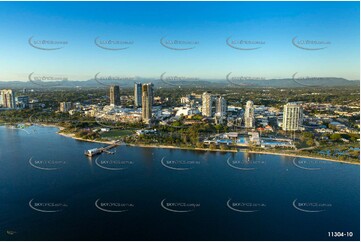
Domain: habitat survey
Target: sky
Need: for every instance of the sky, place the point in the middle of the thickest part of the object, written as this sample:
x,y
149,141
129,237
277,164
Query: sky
x,y
280,30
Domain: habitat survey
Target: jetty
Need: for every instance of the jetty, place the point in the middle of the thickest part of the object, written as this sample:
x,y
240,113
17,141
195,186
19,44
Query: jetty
x,y
97,151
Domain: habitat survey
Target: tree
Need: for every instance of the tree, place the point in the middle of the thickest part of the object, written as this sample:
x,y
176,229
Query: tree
x,y
310,142
200,145
213,146
306,136
335,137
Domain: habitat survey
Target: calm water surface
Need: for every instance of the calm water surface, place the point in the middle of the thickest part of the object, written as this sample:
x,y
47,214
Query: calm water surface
x,y
50,191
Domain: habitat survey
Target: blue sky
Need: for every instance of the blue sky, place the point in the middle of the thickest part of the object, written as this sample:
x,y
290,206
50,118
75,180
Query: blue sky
x,y
208,23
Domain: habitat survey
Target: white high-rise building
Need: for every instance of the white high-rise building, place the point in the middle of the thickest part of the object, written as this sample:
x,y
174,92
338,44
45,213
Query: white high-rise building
x,y
8,98
249,121
207,104
221,106
292,117
147,102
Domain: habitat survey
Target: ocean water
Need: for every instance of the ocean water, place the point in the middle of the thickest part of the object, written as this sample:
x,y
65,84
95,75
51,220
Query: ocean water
x,y
50,191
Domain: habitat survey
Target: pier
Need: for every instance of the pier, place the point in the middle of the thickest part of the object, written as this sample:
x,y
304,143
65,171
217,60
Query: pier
x,y
97,151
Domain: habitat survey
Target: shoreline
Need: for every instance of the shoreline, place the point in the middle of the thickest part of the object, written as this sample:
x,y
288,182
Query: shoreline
x,y
195,149
72,135
304,156
179,148
215,150
84,140
249,151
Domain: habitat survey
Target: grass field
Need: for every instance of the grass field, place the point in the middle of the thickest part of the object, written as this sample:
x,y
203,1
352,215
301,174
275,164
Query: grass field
x,y
116,133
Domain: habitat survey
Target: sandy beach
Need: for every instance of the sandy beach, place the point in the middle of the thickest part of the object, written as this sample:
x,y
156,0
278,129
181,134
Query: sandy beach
x,y
248,151
81,139
216,150
303,156
179,148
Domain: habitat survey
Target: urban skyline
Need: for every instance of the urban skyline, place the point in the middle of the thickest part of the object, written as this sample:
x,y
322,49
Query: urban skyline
x,y
180,121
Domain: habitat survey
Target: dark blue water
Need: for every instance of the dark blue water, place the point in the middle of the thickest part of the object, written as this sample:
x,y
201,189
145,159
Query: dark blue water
x,y
50,191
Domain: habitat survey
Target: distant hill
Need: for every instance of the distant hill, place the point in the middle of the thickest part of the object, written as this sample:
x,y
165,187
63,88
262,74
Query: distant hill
x,y
275,83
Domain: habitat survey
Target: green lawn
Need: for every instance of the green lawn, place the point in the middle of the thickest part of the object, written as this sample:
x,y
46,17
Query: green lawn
x,y
116,133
